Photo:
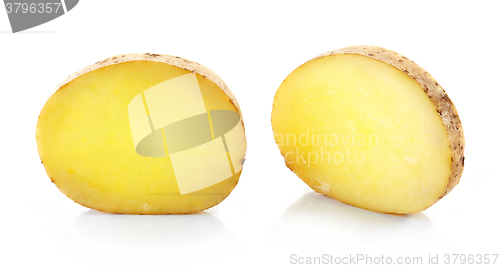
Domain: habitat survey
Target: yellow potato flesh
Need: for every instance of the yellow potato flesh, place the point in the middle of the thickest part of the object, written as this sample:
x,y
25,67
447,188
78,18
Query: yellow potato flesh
x,y
362,132
84,140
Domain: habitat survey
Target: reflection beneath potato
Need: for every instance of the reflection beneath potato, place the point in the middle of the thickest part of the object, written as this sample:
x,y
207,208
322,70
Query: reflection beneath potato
x,y
315,219
144,236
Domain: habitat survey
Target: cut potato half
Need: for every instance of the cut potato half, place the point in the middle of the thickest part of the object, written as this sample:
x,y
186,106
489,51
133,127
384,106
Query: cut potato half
x,y
370,128
143,134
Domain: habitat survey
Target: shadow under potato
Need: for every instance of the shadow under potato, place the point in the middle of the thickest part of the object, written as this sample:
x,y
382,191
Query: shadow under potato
x,y
315,218
144,235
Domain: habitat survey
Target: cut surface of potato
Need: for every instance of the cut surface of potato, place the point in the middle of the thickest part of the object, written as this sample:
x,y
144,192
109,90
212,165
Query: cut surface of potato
x,y
143,134
370,128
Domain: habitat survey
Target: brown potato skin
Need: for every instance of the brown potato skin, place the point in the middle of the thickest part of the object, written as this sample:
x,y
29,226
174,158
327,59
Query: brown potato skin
x,y
444,105
170,60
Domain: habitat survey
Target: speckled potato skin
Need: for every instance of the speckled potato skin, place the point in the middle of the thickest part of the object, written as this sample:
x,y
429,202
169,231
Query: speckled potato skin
x,y
167,59
171,60
444,105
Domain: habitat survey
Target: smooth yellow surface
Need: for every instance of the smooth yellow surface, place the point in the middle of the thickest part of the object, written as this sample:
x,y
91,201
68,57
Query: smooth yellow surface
x,y
363,132
178,98
85,142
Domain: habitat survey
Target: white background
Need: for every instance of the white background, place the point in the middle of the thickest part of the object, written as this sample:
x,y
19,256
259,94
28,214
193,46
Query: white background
x,y
271,214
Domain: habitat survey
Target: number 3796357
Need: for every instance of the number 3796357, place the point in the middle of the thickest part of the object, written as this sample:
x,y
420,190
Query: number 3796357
x,y
33,7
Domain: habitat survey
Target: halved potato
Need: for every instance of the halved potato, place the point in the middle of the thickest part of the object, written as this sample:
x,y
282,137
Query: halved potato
x,y
143,134
370,128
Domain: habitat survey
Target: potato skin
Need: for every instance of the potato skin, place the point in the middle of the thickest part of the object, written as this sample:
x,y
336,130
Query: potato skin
x,y
444,105
170,60
167,59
